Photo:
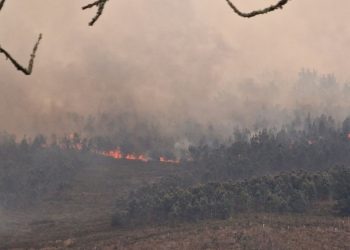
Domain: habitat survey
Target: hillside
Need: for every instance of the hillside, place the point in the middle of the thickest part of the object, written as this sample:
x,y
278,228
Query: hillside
x,y
85,205
80,218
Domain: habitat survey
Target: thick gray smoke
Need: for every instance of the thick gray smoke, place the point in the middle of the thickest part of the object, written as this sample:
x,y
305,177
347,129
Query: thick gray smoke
x,y
181,66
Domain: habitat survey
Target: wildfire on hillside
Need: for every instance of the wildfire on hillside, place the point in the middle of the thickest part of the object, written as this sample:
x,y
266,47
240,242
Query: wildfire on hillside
x,y
117,154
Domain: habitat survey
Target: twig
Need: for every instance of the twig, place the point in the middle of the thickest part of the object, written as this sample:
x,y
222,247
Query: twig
x,y
29,69
279,5
2,2
100,4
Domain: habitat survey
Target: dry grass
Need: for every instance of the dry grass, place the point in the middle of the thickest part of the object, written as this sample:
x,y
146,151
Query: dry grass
x,y
249,231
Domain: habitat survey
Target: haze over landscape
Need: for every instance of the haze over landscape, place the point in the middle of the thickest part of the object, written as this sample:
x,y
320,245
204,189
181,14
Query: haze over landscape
x,y
175,124
171,61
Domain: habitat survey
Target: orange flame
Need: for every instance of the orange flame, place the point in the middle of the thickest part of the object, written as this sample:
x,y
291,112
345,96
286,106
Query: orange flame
x,y
135,157
117,154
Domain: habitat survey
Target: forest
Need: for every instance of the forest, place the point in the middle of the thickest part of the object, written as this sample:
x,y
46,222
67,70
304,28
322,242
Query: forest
x,y
269,170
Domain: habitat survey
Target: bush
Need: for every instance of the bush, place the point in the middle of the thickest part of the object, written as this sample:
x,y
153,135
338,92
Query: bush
x,y
289,192
341,190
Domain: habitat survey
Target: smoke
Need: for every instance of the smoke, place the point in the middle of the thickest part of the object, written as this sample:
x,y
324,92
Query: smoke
x,y
181,68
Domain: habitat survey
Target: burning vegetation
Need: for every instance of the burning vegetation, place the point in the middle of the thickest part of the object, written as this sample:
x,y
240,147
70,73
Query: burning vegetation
x,y
117,154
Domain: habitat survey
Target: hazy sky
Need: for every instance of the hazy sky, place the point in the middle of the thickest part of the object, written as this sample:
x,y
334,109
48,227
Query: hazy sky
x,y
165,57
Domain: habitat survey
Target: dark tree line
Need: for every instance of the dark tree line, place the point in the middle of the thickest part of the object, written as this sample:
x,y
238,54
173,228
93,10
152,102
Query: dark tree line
x,y
31,170
310,144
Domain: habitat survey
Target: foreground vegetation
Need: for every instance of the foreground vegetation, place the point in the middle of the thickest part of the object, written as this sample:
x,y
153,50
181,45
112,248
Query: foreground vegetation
x,y
295,192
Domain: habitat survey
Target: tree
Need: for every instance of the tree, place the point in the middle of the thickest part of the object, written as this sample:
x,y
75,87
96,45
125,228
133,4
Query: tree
x,y
100,4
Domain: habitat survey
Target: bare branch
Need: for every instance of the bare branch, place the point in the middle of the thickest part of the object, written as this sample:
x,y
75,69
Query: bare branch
x,y
2,2
100,4
271,8
29,69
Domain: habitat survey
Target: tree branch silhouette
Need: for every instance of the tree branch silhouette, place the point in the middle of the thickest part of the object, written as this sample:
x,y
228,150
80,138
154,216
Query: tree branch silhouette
x,y
25,70
2,2
100,4
29,69
271,8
